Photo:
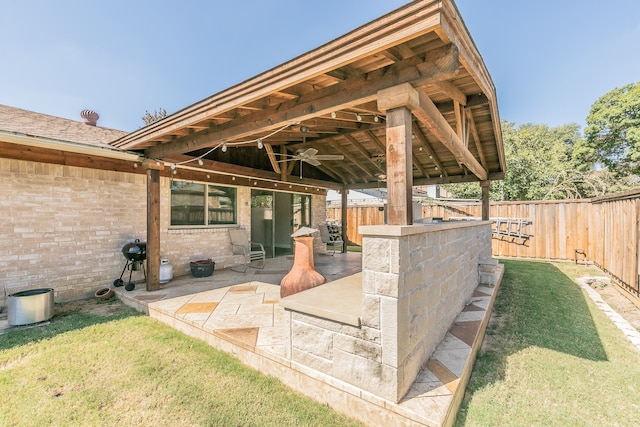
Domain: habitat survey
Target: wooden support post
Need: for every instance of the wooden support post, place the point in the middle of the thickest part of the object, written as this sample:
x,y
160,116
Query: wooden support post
x,y
485,185
398,102
345,220
153,223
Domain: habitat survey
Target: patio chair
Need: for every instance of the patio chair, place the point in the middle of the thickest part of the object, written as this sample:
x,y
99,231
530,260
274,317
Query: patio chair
x,y
331,237
252,251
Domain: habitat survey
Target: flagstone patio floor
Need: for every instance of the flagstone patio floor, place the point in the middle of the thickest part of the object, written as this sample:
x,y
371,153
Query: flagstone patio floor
x,y
240,313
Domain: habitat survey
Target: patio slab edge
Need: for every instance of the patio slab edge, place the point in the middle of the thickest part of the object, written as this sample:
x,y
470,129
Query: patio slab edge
x,y
343,397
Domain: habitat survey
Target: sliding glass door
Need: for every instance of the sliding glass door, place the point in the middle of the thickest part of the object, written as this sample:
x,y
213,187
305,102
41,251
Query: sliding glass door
x,y
275,216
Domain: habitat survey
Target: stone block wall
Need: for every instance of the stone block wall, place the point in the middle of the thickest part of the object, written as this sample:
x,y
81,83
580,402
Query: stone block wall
x,y
420,277
416,280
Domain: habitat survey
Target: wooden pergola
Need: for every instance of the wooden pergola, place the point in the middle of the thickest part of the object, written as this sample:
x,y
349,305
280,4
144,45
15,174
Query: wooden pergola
x,y
402,101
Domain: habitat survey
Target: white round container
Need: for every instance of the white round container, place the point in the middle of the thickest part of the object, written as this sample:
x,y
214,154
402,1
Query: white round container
x,y
166,271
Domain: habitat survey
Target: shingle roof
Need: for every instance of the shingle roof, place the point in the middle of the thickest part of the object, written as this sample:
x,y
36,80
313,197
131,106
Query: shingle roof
x,y
30,123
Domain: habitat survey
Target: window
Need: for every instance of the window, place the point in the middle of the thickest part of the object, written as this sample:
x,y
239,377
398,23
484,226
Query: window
x,y
202,204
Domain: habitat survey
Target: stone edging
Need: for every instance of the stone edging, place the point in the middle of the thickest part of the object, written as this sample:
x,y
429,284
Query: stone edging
x,y
629,331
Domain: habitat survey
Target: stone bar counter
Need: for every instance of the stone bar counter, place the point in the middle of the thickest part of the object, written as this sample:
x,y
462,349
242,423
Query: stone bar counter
x,y
377,329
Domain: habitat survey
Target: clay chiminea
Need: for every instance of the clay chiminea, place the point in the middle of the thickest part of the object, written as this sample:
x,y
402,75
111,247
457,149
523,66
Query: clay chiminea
x,y
303,274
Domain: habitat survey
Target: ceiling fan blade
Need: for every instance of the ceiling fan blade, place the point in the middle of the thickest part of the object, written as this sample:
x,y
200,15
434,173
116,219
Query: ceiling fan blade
x,y
312,161
309,152
330,157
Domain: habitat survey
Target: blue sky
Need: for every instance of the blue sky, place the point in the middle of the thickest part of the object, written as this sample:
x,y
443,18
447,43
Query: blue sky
x,y
549,59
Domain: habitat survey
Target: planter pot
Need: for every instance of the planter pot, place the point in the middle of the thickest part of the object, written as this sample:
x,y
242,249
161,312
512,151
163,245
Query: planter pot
x,y
104,293
202,268
32,306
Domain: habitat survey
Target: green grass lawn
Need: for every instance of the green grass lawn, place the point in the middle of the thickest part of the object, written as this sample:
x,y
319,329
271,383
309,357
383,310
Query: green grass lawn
x,y
551,357
130,370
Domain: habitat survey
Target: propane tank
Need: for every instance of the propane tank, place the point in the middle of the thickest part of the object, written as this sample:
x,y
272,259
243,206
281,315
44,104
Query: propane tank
x,y
166,271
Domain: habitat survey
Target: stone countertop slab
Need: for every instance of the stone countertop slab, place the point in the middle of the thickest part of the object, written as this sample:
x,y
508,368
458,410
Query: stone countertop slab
x,y
340,300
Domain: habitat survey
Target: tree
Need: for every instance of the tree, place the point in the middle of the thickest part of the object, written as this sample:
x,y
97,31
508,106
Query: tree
x,y
540,166
613,132
149,118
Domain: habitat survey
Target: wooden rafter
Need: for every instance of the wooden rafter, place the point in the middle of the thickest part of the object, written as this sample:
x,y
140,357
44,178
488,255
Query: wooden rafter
x,y
424,143
440,64
476,139
429,115
365,153
272,158
351,158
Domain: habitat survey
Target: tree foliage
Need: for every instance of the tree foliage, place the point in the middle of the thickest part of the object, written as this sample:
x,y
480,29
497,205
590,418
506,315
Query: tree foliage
x,y
149,118
540,166
613,132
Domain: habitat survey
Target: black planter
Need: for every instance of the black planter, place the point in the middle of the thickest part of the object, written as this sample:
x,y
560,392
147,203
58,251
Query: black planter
x,y
202,268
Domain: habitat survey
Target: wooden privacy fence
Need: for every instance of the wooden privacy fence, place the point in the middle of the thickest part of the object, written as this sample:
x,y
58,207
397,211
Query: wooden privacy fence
x,y
603,230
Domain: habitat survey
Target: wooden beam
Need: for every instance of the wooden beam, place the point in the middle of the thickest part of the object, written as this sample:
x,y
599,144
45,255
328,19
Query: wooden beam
x,y
399,171
476,139
457,179
153,225
272,158
230,169
451,91
439,64
424,143
428,114
485,199
345,217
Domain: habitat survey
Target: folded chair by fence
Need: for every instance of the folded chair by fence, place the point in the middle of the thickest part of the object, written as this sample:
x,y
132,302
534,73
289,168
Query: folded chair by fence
x,y
331,237
252,251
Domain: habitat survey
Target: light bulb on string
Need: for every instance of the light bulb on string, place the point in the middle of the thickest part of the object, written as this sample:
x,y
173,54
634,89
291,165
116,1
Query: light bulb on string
x,y
224,147
200,162
260,144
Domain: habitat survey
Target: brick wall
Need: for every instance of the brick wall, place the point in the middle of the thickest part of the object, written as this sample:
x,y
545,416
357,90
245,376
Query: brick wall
x,y
64,227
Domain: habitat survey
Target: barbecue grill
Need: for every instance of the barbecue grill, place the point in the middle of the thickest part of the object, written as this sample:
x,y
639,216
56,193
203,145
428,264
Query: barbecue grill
x,y
135,254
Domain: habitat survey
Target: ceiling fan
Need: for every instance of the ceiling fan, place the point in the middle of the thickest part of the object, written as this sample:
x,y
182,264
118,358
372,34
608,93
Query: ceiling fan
x,y
309,155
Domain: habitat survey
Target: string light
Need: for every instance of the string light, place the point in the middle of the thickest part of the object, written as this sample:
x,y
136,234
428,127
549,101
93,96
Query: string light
x,y
223,146
333,115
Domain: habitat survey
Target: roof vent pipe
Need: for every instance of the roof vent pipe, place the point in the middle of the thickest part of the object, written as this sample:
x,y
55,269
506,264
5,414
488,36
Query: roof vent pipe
x,y
90,117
